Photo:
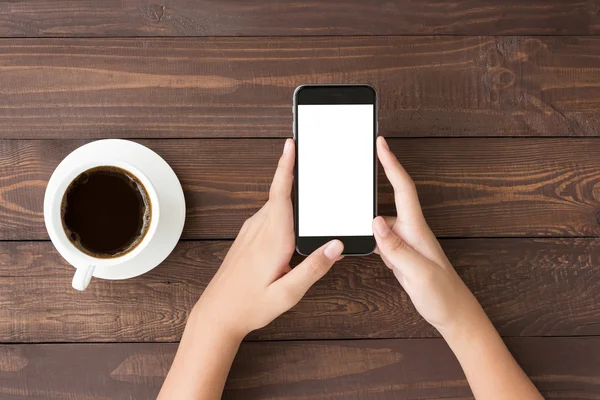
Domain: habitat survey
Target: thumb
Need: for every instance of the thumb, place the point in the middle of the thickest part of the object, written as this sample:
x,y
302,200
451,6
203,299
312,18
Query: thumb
x,y
291,287
397,252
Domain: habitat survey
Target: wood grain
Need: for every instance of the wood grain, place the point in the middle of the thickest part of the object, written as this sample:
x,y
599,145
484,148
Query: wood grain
x,y
34,18
242,87
468,187
528,287
562,368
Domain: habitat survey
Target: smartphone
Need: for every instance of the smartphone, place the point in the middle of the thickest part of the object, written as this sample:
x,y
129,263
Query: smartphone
x,y
335,127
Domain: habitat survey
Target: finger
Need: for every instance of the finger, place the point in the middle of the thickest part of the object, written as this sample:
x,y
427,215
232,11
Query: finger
x,y
390,221
420,239
424,242
405,193
281,188
397,252
290,288
386,262
410,223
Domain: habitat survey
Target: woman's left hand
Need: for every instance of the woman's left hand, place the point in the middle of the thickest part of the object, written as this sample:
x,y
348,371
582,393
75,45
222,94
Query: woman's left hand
x,y
255,283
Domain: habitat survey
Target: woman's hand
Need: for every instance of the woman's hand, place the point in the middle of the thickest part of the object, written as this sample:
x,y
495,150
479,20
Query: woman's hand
x,y
409,248
255,283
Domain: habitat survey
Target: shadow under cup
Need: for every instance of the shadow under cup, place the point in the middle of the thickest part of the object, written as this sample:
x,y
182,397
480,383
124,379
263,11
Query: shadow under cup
x,y
106,212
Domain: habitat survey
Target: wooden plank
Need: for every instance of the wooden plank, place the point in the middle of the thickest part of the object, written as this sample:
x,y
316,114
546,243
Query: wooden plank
x,y
528,287
468,187
403,369
35,18
242,87
562,368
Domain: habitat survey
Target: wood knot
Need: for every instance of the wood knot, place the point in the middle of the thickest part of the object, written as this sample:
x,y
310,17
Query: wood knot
x,y
494,58
498,79
502,78
156,12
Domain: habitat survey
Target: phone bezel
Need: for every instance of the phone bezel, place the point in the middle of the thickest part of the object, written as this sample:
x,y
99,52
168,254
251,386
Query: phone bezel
x,y
335,94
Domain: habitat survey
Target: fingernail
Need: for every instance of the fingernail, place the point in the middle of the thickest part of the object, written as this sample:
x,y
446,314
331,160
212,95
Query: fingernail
x,y
384,143
381,227
287,146
334,249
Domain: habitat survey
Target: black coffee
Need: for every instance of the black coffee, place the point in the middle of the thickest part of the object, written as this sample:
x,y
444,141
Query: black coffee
x,y
106,212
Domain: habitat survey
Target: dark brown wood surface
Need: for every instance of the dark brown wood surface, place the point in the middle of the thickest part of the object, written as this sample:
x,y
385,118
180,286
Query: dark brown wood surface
x,y
528,287
562,368
242,87
492,106
33,18
468,187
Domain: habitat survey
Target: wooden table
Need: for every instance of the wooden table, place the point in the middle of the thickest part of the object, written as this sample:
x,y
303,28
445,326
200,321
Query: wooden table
x,y
493,107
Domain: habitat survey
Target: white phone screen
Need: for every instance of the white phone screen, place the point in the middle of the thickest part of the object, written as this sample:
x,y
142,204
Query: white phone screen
x,y
335,169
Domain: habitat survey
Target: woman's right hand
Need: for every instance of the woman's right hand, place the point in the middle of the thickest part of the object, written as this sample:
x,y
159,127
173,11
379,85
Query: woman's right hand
x,y
409,248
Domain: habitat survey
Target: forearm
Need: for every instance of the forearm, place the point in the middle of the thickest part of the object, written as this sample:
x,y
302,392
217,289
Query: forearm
x,y
202,362
491,370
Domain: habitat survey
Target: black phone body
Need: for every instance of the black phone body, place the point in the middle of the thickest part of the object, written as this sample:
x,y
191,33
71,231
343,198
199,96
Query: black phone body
x,y
335,128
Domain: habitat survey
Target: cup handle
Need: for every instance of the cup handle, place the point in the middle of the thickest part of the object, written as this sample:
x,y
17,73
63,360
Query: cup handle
x,y
83,276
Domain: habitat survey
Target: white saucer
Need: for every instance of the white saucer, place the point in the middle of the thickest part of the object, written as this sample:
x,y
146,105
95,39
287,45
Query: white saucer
x,y
166,185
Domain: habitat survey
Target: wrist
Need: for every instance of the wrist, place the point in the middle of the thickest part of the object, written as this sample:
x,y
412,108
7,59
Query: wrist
x,y
465,315
471,327
468,319
205,322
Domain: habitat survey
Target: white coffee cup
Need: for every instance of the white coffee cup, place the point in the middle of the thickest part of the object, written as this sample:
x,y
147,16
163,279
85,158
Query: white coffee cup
x,y
86,264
